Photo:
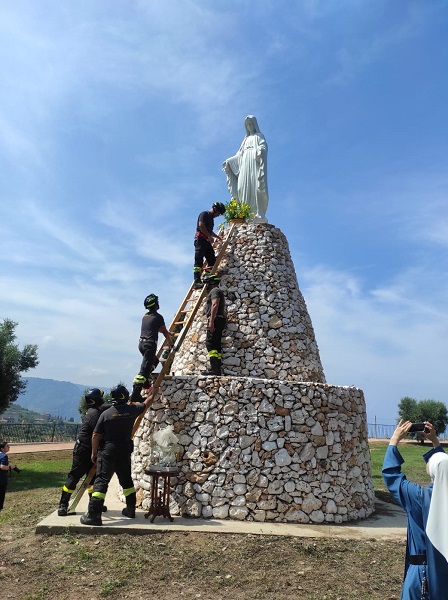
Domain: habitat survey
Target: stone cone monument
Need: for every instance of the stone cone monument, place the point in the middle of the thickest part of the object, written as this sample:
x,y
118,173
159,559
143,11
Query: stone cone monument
x,y
269,440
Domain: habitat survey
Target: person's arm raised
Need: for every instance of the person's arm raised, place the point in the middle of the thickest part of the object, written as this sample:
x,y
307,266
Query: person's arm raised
x,y
400,432
431,435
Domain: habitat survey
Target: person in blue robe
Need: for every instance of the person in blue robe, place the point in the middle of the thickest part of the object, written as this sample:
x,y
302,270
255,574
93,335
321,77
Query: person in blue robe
x,y
426,568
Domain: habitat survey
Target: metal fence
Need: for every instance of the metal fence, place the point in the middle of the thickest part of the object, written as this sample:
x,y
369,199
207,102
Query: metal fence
x,y
379,431
68,432
20,433
385,432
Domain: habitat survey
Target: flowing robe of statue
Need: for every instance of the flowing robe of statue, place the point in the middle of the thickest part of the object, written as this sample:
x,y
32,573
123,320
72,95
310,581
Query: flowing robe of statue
x,y
247,170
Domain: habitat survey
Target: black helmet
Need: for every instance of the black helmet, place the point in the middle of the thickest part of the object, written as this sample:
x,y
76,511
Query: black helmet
x,y
119,395
151,302
210,279
94,397
219,206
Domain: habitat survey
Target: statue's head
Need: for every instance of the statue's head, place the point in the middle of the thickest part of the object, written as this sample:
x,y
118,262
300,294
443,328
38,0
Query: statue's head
x,y
251,125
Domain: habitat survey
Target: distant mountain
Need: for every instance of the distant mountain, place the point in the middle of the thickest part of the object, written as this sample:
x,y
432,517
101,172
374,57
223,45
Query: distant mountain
x,y
19,414
59,398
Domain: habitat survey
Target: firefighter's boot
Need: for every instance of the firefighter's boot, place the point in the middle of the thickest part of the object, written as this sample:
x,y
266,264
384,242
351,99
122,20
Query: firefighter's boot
x,y
63,504
137,386
215,367
93,514
197,273
129,511
104,508
136,393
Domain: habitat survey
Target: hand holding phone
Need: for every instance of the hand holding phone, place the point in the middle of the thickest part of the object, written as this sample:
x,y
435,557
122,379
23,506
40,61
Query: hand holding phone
x,y
418,427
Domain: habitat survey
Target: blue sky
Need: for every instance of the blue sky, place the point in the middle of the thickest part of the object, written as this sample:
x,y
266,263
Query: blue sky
x,y
115,118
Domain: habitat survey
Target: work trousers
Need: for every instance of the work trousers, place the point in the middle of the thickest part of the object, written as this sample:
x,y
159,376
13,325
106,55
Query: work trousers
x,y
81,465
113,458
148,350
213,341
202,249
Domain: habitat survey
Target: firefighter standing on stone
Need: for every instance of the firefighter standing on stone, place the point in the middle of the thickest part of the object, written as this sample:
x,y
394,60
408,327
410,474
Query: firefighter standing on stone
x,y
216,322
111,451
82,451
203,240
152,323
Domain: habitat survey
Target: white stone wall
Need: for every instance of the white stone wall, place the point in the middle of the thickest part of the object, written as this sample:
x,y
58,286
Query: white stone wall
x,y
269,332
273,442
263,450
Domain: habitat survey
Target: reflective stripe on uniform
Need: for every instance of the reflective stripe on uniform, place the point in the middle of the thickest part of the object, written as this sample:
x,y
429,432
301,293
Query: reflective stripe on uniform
x,y
65,489
215,354
98,495
129,491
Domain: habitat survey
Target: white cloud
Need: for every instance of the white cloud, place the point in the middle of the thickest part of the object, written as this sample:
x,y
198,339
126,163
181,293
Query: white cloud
x,y
18,145
115,120
364,46
79,63
393,338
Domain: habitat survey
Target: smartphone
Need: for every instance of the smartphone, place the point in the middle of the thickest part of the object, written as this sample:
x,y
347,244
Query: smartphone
x,y
417,427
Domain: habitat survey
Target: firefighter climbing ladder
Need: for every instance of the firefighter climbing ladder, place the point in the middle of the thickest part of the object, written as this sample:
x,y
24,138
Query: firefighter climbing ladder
x,y
179,327
189,308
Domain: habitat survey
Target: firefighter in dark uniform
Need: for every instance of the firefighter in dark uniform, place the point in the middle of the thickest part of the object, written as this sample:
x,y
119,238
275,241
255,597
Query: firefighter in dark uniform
x,y
82,452
152,323
111,451
216,322
203,240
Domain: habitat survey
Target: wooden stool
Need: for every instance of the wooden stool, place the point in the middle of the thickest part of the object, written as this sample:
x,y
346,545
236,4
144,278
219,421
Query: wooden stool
x,y
160,500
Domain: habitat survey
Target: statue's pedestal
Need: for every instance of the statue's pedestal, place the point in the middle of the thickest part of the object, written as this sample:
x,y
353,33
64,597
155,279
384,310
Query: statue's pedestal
x,y
258,220
263,450
274,442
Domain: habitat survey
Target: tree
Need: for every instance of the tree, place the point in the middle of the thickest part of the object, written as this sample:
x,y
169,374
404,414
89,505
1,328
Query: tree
x,y
424,410
435,412
13,362
408,409
82,406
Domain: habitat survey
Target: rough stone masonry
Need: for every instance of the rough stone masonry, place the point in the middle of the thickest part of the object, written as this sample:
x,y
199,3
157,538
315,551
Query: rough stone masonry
x,y
270,440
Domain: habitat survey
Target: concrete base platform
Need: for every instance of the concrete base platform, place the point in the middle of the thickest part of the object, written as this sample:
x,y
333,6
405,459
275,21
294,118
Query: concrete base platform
x,y
387,523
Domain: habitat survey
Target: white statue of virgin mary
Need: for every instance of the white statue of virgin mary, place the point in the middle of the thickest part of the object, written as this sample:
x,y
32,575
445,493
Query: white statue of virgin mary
x,y
247,171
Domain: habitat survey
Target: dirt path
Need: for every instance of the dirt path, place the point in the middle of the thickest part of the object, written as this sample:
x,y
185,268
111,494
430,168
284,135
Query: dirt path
x,y
40,447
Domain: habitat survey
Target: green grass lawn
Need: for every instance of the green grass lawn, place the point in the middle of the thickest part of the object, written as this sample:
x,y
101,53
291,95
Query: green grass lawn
x,y
414,466
39,470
